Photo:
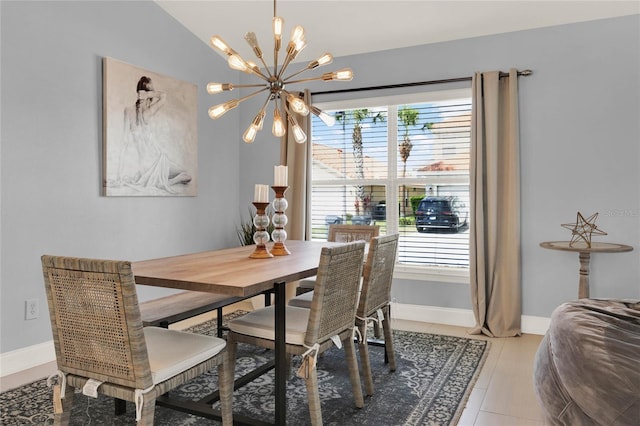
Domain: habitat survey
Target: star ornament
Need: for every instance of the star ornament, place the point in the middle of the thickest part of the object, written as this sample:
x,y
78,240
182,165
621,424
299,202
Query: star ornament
x,y
583,229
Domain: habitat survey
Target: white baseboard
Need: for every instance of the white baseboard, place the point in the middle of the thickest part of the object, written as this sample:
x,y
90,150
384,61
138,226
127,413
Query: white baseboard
x,y
42,353
459,317
25,358
535,325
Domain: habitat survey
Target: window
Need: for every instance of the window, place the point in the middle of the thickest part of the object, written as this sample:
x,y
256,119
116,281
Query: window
x,y
402,163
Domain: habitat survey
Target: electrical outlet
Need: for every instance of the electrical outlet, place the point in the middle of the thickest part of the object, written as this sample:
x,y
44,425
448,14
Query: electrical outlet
x,y
32,310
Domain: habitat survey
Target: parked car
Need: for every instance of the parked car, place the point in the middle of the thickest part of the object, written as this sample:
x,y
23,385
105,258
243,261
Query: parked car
x,y
440,213
332,219
361,220
380,211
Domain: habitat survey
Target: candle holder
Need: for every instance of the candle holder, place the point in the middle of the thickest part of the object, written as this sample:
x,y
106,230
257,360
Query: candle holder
x,y
261,236
279,220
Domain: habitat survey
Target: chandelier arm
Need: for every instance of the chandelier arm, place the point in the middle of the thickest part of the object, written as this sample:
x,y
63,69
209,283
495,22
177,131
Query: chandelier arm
x,y
266,102
275,61
302,80
295,74
266,67
251,95
325,59
284,67
244,86
286,107
259,74
287,61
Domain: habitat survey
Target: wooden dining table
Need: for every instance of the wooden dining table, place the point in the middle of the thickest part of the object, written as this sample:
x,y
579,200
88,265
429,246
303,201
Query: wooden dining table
x,y
231,271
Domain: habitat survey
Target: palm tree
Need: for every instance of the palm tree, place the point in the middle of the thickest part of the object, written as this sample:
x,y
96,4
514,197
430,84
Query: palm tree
x,y
408,117
358,116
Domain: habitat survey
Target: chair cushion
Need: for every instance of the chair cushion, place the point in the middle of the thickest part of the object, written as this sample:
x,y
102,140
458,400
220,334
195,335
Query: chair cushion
x,y
261,323
172,351
302,301
307,284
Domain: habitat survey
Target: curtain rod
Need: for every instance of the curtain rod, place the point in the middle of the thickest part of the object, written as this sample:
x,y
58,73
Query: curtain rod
x,y
420,83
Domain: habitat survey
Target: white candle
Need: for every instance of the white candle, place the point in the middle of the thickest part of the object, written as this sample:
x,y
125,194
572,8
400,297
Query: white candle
x,y
280,176
261,194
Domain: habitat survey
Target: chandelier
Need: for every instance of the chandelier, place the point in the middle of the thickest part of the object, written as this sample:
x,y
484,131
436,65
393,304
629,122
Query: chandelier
x,y
274,82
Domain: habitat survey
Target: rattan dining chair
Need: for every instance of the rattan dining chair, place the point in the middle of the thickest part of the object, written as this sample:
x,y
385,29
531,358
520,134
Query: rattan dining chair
x,y
310,332
341,234
102,348
374,301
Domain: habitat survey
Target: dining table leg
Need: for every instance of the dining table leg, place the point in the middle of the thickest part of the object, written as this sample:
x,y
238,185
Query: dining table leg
x,y
280,354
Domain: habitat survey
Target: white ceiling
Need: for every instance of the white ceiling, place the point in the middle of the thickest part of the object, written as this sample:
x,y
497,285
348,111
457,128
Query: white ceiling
x,y
344,27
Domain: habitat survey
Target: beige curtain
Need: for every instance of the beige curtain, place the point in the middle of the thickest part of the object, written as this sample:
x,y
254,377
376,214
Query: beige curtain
x,y
297,157
495,203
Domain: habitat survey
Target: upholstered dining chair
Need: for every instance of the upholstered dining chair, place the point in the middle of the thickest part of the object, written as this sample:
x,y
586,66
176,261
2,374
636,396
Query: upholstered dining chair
x,y
102,348
374,301
309,332
342,234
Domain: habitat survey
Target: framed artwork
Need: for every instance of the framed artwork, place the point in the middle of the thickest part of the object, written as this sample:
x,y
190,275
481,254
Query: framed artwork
x,y
150,133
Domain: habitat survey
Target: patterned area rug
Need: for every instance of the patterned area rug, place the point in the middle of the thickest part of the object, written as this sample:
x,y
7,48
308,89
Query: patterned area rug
x,y
431,385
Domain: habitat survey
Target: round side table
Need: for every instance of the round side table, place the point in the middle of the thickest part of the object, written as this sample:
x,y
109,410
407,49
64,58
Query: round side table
x,y
585,257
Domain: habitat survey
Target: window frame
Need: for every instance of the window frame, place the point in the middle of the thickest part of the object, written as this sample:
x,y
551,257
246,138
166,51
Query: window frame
x,y
393,182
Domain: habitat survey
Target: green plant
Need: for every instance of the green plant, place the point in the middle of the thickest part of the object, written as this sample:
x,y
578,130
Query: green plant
x,y
415,202
407,220
246,229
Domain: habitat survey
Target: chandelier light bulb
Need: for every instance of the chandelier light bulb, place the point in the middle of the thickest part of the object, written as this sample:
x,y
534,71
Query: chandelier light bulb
x,y
297,34
278,24
342,75
327,119
297,105
298,134
250,134
218,111
325,59
278,129
219,43
237,63
251,38
213,88
301,44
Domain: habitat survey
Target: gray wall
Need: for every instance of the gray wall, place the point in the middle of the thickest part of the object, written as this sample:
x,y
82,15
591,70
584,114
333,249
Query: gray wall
x,y
52,145
579,136
580,144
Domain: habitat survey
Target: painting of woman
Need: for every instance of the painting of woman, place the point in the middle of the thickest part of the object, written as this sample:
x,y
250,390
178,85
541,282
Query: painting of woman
x,y
149,157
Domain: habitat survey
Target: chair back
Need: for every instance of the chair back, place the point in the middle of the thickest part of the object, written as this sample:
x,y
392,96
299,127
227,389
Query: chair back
x,y
349,233
95,319
335,296
378,274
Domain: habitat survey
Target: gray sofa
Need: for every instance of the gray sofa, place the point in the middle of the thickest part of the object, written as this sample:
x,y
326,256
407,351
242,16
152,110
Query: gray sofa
x,y
587,368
